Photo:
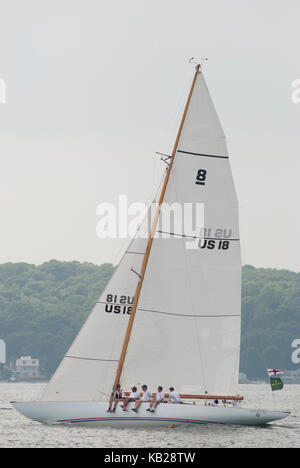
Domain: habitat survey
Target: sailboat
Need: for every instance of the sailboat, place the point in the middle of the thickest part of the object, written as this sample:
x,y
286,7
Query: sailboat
x,y
170,315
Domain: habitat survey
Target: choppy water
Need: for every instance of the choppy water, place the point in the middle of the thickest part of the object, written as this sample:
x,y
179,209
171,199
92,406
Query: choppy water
x,y
17,431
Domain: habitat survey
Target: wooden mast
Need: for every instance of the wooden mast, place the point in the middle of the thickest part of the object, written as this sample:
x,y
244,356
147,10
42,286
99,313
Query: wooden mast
x,y
150,240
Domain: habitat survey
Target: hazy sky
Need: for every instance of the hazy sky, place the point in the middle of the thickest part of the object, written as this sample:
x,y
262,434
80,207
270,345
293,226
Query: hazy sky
x,y
94,88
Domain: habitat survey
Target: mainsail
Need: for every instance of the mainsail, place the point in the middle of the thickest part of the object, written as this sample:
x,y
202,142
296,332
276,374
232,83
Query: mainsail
x,y
185,331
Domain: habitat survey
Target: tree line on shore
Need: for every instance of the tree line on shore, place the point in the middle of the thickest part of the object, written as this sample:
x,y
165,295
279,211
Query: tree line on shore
x,y
43,307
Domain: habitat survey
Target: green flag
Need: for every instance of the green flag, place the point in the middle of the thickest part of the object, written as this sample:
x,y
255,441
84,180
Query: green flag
x,y
276,383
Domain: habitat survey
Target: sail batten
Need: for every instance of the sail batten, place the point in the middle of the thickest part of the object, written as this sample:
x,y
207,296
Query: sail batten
x,y
188,315
203,155
91,359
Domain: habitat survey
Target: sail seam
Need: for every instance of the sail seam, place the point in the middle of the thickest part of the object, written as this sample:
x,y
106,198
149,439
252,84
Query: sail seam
x,y
195,237
186,315
203,155
115,303
136,253
92,359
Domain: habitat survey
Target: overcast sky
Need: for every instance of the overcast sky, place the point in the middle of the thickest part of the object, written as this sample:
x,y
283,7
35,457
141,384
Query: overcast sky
x,y
94,88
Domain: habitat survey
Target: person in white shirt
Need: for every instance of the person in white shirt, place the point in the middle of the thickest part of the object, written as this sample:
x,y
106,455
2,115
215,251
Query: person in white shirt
x,y
134,396
236,404
159,398
116,396
174,397
146,396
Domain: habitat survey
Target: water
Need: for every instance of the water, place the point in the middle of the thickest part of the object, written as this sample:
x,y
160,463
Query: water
x,y
17,431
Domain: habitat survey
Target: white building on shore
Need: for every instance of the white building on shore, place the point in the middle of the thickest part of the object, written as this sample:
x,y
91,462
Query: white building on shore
x,y
26,367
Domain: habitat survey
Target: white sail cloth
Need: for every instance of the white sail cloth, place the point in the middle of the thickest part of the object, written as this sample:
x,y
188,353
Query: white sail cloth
x,y
186,332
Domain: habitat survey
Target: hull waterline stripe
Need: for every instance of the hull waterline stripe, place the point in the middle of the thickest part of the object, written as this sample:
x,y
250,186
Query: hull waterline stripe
x,y
125,418
186,315
203,155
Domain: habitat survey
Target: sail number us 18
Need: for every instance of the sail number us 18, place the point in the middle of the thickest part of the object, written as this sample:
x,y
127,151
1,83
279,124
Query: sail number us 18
x,y
213,244
118,304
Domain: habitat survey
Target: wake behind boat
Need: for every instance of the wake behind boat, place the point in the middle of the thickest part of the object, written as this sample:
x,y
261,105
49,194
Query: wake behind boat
x,y
171,313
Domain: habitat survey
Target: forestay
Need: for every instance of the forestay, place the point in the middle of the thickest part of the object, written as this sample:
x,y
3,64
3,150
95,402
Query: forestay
x,y
186,331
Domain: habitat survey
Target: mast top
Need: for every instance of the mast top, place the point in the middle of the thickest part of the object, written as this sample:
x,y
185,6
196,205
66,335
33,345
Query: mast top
x,y
198,63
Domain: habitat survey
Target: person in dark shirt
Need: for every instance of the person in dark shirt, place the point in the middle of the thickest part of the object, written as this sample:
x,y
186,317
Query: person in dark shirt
x,y
116,396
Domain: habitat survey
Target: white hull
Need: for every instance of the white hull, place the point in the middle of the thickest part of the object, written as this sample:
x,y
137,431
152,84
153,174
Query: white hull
x,y
95,413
